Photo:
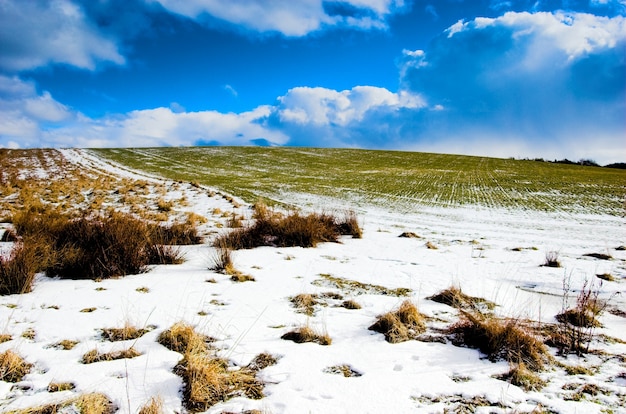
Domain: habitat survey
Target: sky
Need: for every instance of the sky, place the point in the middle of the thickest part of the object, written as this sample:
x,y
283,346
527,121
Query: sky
x,y
514,78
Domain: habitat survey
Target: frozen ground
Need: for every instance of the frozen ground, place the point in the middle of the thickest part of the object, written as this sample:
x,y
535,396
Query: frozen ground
x,y
496,255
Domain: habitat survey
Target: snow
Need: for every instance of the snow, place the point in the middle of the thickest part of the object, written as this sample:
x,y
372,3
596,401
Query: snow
x,y
475,252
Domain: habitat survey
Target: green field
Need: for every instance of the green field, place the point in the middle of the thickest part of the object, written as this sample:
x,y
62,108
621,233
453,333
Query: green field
x,y
403,181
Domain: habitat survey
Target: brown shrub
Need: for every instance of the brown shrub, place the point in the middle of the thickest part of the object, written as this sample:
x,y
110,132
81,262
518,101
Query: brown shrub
x,y
275,229
401,325
17,271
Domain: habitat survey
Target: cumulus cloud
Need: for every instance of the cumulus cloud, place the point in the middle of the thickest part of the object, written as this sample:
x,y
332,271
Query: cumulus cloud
x,y
291,18
524,78
36,33
29,118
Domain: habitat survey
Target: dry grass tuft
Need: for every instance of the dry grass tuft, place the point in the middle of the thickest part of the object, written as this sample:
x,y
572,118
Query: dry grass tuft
x,y
521,376
208,379
153,406
552,259
401,325
262,361
350,304
307,334
123,334
5,338
183,338
65,344
345,370
453,296
17,271
13,367
61,386
94,356
409,235
305,303
93,403
499,338
275,229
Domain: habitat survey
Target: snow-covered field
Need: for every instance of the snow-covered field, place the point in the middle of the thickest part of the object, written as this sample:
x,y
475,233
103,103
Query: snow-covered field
x,y
493,254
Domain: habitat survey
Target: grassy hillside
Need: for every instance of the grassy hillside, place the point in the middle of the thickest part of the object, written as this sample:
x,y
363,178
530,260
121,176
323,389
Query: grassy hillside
x,y
404,180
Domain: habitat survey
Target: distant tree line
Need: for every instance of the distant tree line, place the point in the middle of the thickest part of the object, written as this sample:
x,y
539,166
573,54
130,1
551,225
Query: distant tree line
x,y
584,161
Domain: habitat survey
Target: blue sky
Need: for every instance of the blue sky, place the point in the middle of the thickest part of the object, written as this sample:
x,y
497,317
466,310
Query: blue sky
x,y
484,77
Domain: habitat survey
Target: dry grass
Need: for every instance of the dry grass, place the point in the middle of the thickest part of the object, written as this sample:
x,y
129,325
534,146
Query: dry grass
x,y
307,334
65,344
208,379
61,386
94,403
183,338
5,338
262,361
453,296
499,338
552,259
13,367
125,333
577,324
355,287
401,325
521,376
153,406
17,271
94,355
275,229
345,370
350,304
305,303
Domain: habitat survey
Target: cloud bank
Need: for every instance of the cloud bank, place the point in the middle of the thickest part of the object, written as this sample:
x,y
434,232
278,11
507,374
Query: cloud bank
x,y
289,18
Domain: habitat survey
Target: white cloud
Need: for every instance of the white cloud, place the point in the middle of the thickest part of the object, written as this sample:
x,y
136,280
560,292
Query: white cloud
x,y
291,18
321,106
36,33
575,34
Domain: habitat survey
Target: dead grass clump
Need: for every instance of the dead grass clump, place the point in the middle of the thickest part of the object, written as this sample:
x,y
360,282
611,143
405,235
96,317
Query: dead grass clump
x,y
500,339
401,325
431,246
350,304
182,338
93,403
123,334
9,235
275,229
209,380
12,367
61,386
552,259
576,325
409,235
305,303
17,271
345,370
95,356
599,256
606,276
307,334
358,288
453,296
222,260
262,361
153,406
162,254
521,376
164,205
179,234
5,338
65,344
